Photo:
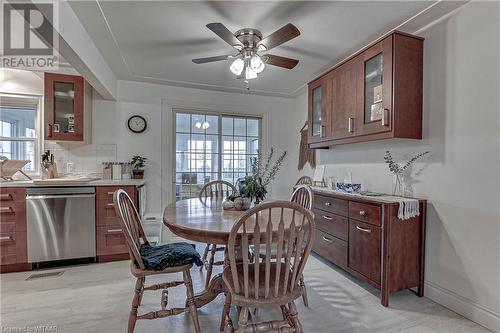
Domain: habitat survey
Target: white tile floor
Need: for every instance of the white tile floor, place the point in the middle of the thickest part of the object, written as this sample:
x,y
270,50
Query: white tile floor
x,y
97,297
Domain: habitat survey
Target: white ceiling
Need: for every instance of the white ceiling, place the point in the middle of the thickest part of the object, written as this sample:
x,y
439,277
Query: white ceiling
x,y
154,41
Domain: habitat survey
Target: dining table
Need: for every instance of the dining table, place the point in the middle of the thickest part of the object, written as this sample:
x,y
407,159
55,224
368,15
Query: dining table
x,y
204,220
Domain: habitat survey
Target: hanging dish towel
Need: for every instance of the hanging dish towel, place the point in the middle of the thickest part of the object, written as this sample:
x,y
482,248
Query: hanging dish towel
x,y
306,154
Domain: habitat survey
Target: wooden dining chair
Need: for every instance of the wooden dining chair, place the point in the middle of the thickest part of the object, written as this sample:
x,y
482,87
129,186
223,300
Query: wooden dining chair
x,y
135,237
255,283
303,196
215,190
304,180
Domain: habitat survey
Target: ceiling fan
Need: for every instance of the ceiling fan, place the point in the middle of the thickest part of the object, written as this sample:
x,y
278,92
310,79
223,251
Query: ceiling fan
x,y
249,43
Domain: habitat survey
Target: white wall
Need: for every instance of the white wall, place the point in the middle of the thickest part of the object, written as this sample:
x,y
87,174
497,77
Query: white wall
x,y
461,178
109,127
14,81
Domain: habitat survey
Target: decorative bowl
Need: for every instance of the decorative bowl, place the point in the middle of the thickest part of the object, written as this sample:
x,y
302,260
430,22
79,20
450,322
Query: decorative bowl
x,y
349,188
242,203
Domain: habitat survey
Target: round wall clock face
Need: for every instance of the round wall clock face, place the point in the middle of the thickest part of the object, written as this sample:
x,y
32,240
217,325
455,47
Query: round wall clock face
x,y
137,124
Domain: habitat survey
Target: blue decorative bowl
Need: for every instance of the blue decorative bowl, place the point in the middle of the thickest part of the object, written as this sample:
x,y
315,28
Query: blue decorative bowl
x,y
349,188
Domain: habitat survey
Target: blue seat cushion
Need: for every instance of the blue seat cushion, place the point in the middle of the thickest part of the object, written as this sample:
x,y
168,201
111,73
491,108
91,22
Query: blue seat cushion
x,y
158,258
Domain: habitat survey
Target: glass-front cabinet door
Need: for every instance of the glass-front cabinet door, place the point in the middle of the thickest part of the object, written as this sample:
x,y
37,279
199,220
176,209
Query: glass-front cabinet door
x,y
318,129
375,100
63,107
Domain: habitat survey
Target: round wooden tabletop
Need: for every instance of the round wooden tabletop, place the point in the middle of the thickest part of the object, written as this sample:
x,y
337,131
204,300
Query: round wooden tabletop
x,y
204,221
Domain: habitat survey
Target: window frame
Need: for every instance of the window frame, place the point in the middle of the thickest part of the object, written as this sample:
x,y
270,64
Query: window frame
x,y
220,115
27,101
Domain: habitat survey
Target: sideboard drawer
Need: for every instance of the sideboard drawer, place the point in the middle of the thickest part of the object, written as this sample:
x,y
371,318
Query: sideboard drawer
x,y
13,247
332,205
331,248
364,212
106,192
332,224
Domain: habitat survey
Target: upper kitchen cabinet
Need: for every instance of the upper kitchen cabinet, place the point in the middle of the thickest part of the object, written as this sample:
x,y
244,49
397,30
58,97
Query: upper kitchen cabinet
x,y
375,94
68,108
319,113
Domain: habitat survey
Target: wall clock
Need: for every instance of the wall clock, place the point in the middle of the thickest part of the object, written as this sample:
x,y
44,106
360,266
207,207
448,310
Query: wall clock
x,y
137,124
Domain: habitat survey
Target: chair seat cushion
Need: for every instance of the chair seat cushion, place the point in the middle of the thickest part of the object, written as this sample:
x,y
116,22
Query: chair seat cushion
x,y
158,258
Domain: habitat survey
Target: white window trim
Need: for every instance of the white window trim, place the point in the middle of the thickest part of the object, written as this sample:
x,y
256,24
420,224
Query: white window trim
x,y
22,100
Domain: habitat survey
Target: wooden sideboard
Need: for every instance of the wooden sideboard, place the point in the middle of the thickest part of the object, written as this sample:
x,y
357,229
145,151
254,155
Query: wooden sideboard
x,y
366,238
110,240
375,94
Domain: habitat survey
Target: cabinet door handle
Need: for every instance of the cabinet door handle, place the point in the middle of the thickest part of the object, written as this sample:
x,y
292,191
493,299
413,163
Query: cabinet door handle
x,y
322,131
385,117
5,196
6,209
362,213
350,125
328,204
113,231
326,239
368,231
327,218
3,238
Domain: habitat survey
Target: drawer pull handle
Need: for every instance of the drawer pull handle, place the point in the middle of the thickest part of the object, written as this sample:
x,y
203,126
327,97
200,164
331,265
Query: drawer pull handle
x,y
5,196
112,231
6,209
368,231
111,193
111,204
362,213
327,218
328,204
5,238
326,239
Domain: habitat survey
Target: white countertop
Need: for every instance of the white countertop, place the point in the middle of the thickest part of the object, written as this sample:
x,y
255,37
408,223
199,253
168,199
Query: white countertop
x,y
100,182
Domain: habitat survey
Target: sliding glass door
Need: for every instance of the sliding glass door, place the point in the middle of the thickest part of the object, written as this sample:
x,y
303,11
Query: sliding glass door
x,y
212,146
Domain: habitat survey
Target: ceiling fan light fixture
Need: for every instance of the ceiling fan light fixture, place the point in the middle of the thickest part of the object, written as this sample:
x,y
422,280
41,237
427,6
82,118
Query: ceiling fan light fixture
x,y
250,73
257,64
237,66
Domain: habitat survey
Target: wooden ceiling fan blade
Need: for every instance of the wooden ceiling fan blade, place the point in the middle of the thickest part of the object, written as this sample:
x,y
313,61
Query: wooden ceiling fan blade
x,y
210,59
280,36
279,61
220,30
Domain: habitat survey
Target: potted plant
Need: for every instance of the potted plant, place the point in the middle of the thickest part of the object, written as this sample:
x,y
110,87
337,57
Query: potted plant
x,y
138,163
254,186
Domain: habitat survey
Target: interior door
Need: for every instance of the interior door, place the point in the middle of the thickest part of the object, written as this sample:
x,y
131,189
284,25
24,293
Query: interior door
x,y
343,101
375,89
365,249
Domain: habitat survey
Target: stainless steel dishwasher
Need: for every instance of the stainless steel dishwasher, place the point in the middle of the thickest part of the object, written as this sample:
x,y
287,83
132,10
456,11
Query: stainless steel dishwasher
x,y
61,223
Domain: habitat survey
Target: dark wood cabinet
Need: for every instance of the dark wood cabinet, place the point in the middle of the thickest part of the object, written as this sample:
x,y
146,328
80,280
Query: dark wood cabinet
x,y
374,94
67,108
13,243
364,249
367,239
110,239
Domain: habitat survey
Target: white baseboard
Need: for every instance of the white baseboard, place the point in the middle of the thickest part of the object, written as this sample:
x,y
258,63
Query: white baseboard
x,y
464,306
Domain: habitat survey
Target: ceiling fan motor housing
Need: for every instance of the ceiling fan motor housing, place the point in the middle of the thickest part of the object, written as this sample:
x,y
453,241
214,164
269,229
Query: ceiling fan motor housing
x,y
249,37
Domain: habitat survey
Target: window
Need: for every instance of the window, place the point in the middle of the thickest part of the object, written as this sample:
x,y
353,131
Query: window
x,y
18,130
210,147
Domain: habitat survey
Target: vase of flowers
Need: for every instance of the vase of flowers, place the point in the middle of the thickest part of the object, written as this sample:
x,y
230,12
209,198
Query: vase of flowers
x,y
254,186
399,171
138,163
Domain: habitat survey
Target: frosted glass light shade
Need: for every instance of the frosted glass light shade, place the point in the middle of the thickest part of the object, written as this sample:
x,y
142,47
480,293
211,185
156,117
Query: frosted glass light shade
x,y
237,66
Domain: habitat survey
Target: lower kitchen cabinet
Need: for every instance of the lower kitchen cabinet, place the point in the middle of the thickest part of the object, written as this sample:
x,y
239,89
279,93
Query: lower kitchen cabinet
x,y
13,243
365,237
111,242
